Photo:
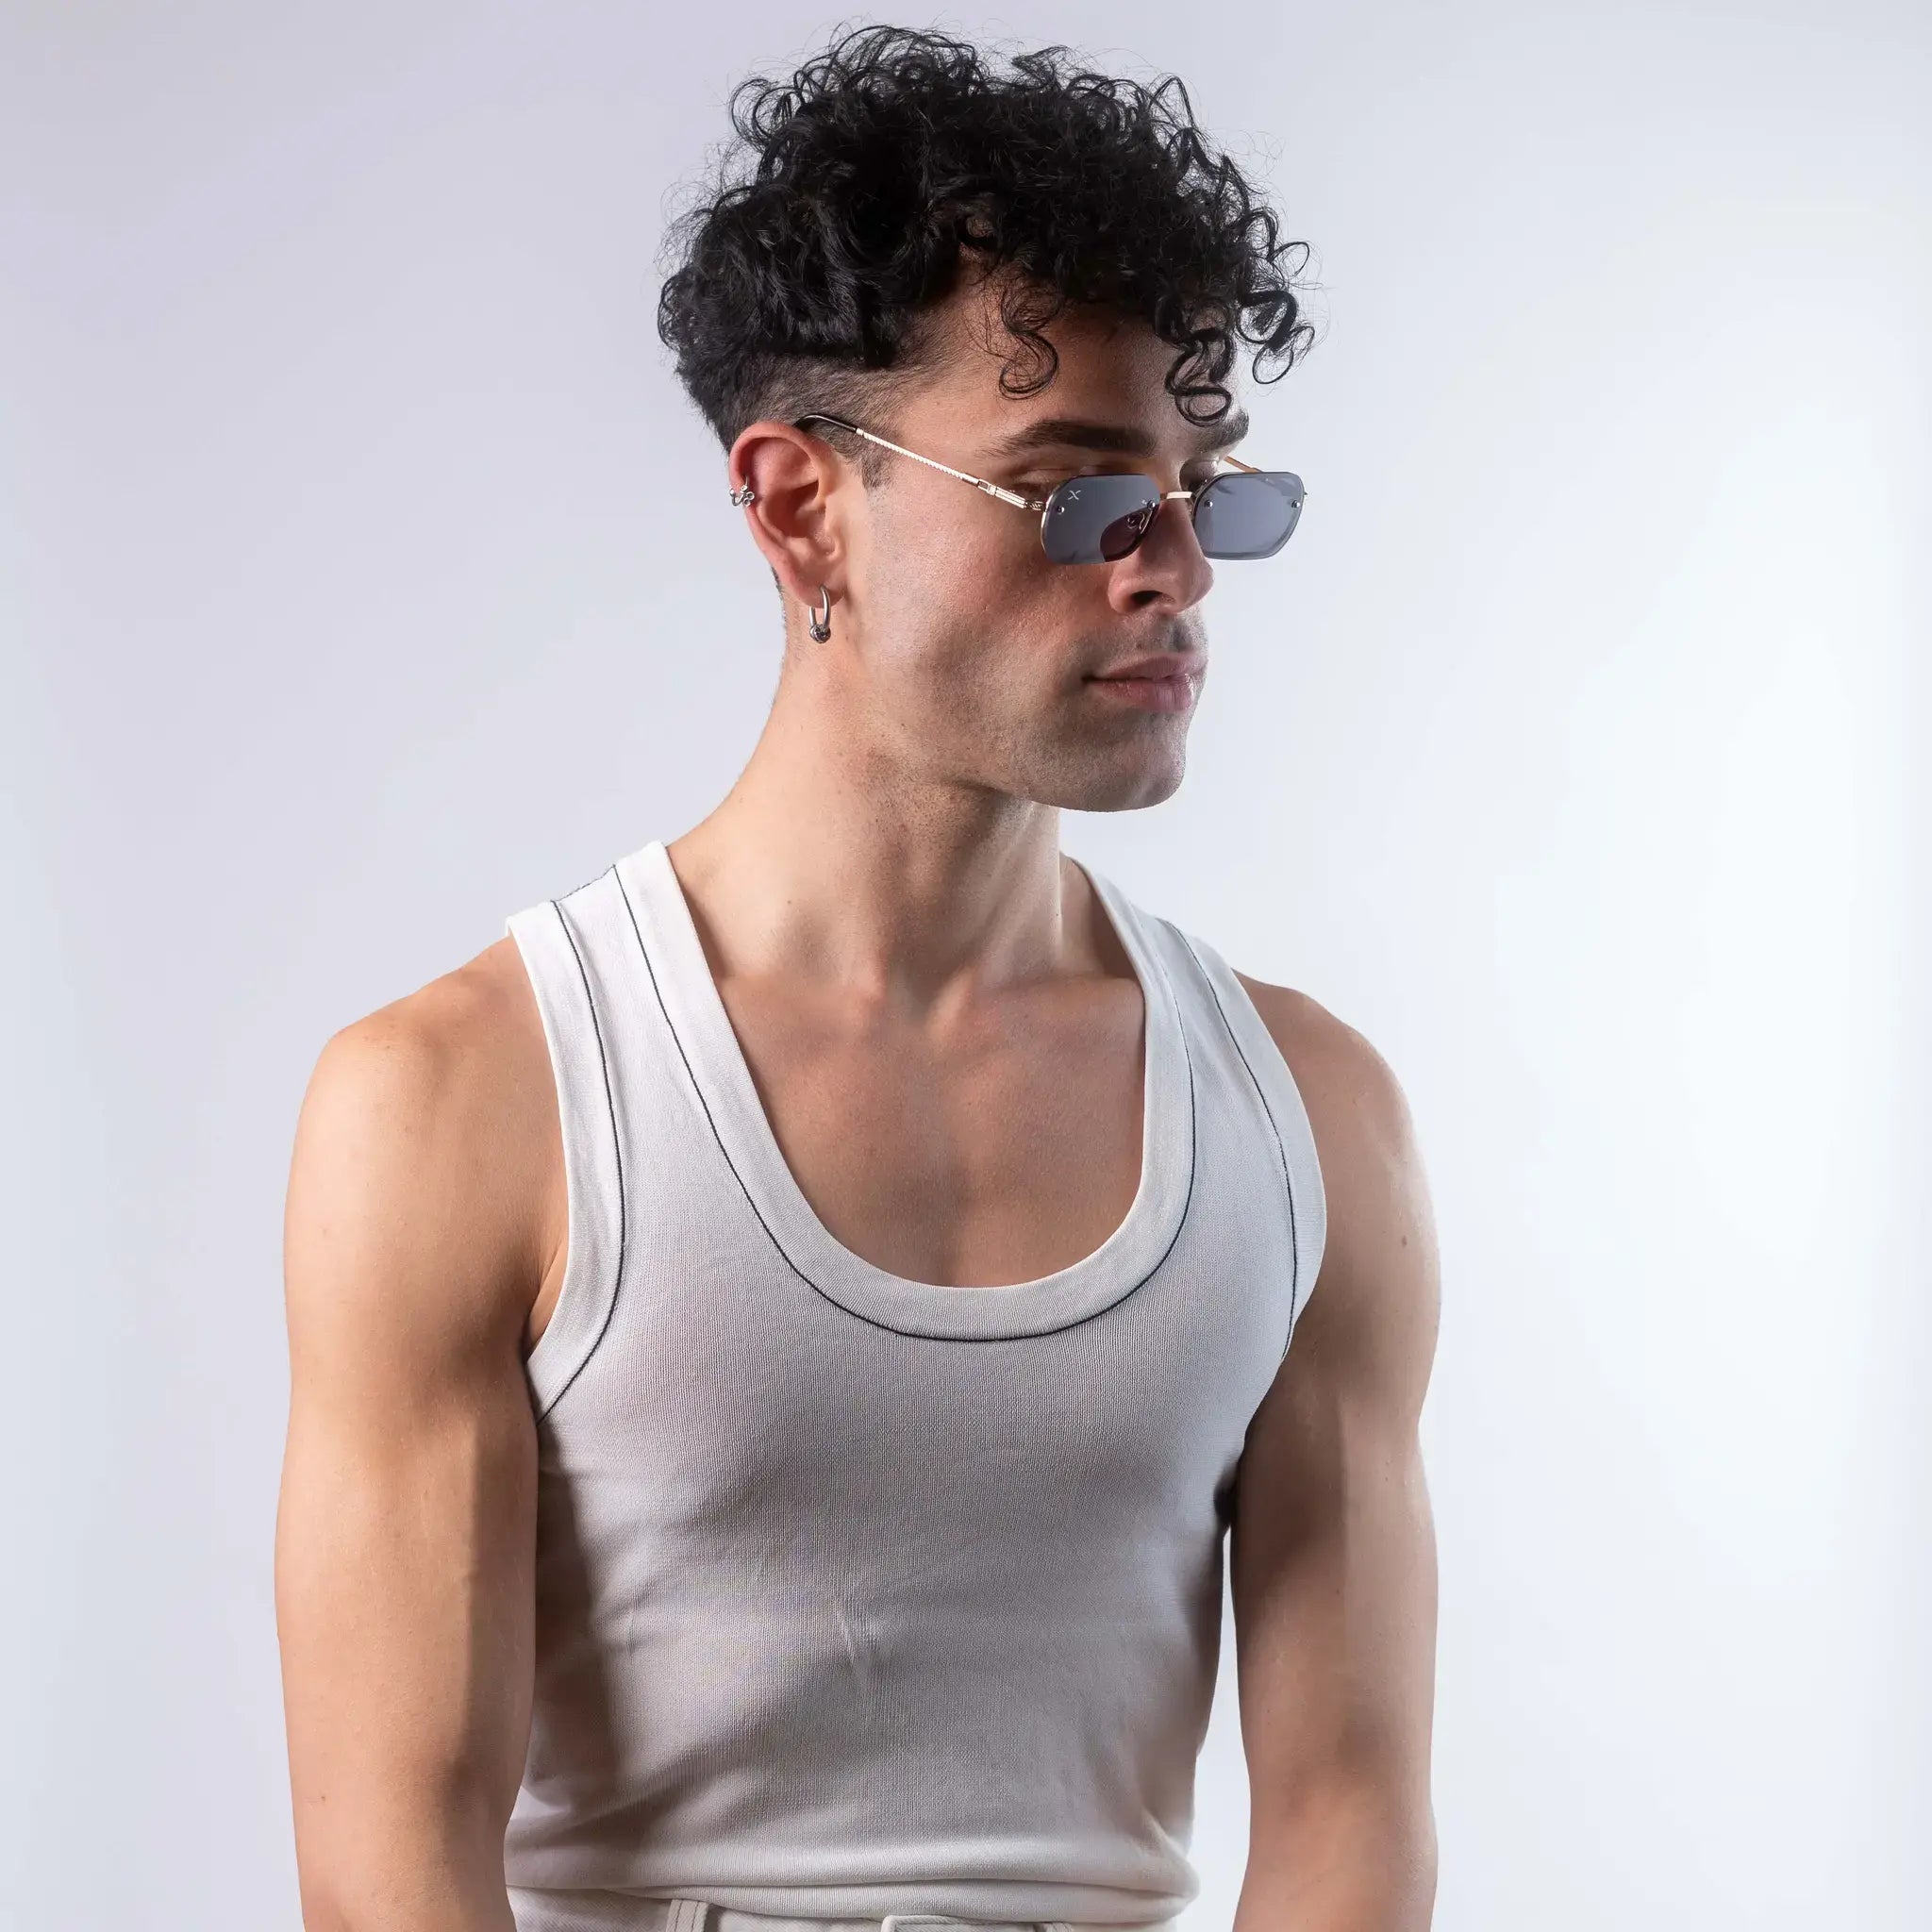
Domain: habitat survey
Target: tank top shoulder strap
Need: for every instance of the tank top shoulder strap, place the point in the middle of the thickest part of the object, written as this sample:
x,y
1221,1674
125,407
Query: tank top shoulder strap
x,y
1214,998
572,949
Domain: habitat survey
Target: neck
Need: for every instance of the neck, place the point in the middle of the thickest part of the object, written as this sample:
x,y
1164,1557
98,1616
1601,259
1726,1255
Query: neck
x,y
829,860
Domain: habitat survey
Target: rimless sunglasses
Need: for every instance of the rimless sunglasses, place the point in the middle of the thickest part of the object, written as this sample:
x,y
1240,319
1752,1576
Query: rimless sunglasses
x,y
1243,513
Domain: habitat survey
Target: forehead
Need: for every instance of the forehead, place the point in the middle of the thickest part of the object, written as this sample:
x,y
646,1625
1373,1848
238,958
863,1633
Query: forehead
x,y
1108,390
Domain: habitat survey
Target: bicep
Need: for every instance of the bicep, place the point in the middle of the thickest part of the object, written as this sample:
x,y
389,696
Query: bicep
x,y
405,1524
1332,1560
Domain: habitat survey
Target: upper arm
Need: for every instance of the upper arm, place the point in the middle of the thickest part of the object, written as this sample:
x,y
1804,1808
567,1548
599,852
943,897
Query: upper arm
x,y
405,1532
1332,1564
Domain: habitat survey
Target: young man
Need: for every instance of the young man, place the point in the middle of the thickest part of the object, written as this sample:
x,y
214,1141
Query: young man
x,y
778,1339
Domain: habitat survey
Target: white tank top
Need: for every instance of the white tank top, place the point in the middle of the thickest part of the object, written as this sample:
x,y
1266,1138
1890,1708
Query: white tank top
x,y
857,1594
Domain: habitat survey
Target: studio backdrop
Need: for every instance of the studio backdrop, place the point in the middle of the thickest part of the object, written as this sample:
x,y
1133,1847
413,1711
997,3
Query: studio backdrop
x,y
363,574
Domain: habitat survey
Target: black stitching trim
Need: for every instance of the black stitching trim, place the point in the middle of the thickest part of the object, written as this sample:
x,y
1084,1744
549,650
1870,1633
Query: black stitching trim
x,y
920,1334
1294,1245
617,1150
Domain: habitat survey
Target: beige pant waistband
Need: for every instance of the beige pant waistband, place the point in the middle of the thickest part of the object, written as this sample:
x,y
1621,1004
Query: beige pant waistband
x,y
700,1915
628,1913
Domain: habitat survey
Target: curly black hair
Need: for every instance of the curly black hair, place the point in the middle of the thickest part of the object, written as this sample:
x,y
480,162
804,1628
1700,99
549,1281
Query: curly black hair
x,y
843,209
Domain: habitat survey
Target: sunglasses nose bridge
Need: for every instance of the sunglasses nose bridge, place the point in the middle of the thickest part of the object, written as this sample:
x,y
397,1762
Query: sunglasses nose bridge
x,y
1160,499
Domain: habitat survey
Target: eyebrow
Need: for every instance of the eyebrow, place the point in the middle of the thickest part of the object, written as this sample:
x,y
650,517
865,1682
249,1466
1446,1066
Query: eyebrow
x,y
1076,432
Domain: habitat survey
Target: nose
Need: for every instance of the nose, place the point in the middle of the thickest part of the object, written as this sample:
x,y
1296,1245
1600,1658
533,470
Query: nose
x,y
1166,566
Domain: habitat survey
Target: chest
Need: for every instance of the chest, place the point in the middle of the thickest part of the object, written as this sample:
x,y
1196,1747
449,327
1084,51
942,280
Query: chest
x,y
993,1149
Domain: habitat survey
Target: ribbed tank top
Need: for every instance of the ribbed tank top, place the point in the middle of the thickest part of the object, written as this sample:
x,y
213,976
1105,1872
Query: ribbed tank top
x,y
857,1594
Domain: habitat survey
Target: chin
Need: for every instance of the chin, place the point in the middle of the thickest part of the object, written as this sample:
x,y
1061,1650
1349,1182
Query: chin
x,y
1126,786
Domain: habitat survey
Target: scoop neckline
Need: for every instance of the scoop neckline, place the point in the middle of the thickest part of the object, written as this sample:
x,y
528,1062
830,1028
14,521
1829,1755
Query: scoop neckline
x,y
701,1024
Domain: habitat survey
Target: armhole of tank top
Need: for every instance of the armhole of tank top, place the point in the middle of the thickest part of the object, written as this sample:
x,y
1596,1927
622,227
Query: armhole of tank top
x,y
1281,1099
592,1160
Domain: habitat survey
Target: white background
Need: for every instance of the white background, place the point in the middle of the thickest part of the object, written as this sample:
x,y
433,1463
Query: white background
x,y
364,577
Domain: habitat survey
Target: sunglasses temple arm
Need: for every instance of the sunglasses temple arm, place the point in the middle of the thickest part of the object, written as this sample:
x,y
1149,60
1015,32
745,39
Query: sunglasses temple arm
x,y
977,482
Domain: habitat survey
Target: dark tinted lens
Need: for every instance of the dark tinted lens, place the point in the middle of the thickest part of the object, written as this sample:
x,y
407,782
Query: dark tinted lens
x,y
1097,519
1250,513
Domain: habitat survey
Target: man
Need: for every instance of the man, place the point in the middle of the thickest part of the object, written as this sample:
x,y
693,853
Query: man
x,y
778,1338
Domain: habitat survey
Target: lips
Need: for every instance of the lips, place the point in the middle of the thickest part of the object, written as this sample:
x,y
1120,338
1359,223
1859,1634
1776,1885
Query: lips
x,y
1169,683
1164,664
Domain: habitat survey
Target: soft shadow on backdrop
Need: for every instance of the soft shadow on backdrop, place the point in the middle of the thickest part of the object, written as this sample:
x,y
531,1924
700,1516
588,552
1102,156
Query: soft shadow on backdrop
x,y
364,577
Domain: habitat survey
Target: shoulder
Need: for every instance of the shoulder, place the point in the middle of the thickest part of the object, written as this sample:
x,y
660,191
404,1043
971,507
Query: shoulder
x,y
1379,1269
1340,1071
426,1148
457,1052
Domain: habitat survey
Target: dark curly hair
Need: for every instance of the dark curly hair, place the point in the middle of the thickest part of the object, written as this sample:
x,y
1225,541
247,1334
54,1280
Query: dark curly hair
x,y
842,211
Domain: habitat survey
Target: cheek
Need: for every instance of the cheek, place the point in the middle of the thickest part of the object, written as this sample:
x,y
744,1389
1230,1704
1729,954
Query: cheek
x,y
962,562
969,612
977,573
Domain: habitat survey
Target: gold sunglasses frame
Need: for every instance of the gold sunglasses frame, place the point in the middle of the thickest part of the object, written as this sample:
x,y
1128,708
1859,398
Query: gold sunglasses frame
x,y
1037,504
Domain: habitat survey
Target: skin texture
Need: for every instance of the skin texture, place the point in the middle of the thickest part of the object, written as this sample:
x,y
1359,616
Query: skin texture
x,y
904,954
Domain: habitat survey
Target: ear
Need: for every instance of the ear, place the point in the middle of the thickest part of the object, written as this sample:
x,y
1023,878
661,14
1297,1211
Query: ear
x,y
800,491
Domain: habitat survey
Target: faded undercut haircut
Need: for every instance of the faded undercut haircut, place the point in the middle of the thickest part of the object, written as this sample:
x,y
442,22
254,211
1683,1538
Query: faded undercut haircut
x,y
852,196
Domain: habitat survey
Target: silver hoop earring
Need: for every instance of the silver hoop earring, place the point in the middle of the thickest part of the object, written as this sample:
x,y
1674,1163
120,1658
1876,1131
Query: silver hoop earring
x,y
747,494
819,624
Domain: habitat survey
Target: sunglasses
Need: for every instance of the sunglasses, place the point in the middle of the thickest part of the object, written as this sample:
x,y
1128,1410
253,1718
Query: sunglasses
x,y
1247,512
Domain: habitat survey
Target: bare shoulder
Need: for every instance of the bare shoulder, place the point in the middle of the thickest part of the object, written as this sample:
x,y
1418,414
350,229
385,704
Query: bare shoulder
x,y
1335,1067
1378,1283
464,1054
428,1154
